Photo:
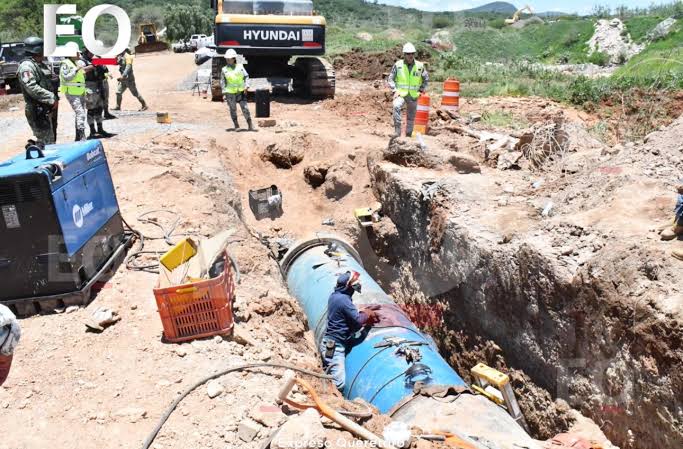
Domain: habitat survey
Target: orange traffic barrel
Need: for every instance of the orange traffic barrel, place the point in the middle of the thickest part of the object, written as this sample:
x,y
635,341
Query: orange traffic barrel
x,y
422,115
451,95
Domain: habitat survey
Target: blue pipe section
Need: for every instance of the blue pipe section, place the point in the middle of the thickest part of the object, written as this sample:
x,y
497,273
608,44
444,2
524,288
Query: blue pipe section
x,y
382,376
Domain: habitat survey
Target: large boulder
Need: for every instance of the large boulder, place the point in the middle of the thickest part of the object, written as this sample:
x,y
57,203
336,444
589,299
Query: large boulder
x,y
339,180
662,30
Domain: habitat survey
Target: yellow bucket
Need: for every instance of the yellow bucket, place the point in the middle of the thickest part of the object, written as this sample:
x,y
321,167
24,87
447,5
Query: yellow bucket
x,y
163,118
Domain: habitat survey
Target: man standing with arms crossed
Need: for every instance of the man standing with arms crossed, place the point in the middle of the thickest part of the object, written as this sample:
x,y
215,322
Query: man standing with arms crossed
x,y
408,79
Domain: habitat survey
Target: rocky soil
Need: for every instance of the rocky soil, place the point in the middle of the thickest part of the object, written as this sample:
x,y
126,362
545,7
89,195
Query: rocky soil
x,y
530,270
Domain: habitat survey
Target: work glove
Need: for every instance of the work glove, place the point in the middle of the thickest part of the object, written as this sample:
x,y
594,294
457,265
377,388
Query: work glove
x,y
679,188
373,318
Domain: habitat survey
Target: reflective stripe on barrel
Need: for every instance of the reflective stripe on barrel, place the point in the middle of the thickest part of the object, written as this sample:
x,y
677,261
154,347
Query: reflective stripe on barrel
x,y
450,100
422,115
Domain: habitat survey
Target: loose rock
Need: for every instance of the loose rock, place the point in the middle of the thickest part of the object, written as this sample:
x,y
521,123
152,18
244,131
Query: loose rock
x,y
247,430
304,431
214,389
339,180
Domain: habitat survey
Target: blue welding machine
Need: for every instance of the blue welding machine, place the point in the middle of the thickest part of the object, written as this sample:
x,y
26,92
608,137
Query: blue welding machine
x,y
59,220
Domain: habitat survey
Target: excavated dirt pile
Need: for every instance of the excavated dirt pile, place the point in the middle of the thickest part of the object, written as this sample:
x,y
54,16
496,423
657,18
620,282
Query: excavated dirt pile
x,y
560,270
371,66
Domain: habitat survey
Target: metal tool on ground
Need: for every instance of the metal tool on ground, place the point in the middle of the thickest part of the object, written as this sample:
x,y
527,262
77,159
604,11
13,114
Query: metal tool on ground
x,y
324,409
63,226
496,386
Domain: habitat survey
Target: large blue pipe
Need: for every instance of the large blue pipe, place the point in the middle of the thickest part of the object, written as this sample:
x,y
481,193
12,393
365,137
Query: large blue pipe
x,y
382,376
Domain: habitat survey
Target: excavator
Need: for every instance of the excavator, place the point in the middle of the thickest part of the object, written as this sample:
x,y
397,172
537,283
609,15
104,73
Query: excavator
x,y
515,16
148,40
268,34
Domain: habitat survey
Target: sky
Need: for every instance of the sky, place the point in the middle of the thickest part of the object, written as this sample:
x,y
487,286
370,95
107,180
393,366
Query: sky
x,y
574,6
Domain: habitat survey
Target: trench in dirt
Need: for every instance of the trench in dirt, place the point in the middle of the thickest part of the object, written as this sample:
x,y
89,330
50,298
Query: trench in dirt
x,y
568,345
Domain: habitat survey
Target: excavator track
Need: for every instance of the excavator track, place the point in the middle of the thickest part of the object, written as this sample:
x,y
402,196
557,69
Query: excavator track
x,y
317,80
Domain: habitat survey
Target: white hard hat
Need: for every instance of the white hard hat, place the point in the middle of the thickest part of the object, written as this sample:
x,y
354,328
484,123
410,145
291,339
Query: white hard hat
x,y
230,54
409,48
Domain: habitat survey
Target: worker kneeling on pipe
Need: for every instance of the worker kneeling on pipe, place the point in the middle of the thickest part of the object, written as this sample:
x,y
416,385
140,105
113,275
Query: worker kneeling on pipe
x,y
343,323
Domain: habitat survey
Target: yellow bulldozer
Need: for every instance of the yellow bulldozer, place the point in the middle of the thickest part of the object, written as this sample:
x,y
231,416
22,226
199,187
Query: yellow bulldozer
x,y
149,41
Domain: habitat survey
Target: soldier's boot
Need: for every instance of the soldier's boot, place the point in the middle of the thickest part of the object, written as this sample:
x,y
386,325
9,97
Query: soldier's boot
x,y
251,125
236,124
80,135
671,232
102,132
143,105
119,99
93,132
108,115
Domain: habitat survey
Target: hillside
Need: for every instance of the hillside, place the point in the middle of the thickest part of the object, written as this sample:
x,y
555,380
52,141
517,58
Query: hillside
x,y
495,7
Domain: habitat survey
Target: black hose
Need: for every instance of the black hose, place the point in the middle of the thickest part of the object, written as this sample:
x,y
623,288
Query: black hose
x,y
150,439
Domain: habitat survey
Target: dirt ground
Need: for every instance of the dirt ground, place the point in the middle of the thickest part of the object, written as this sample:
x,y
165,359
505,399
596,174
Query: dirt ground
x,y
69,388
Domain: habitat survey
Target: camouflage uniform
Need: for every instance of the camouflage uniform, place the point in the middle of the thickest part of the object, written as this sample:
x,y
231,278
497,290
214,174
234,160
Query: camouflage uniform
x,y
77,102
127,81
38,89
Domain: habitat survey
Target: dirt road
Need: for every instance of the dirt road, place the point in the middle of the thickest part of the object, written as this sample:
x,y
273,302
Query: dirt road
x,y
69,388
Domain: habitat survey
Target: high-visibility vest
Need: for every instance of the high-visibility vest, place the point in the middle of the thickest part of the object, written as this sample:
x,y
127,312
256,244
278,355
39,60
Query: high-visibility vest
x,y
408,82
74,87
234,79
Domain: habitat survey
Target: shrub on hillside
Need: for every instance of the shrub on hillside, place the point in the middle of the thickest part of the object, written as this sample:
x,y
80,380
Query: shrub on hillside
x,y
498,24
442,22
599,58
584,90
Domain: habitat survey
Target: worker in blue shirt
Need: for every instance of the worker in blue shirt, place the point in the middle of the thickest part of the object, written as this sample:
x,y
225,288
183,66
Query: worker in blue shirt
x,y
343,322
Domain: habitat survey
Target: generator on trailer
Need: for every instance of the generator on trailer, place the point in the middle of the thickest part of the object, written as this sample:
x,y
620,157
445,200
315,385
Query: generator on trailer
x,y
268,34
60,226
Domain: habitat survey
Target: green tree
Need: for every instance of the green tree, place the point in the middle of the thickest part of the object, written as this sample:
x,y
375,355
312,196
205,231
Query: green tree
x,y
183,21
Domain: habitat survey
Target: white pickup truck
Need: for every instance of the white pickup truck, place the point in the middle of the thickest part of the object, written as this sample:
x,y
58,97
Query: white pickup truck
x,y
198,41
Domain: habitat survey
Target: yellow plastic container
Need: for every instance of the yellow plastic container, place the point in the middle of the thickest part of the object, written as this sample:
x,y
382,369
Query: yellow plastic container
x,y
179,254
163,118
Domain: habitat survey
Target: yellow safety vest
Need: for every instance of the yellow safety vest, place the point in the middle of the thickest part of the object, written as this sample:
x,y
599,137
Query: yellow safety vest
x,y
74,87
409,82
234,79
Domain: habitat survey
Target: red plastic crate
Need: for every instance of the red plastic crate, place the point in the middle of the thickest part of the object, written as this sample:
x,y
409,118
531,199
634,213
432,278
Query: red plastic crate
x,y
198,310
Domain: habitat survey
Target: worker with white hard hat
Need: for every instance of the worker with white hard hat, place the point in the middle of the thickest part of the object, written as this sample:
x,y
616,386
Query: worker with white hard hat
x,y
408,79
234,83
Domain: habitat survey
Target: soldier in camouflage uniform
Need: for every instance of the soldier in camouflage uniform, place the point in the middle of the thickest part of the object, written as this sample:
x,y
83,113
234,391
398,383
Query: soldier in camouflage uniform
x,y
127,80
36,83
